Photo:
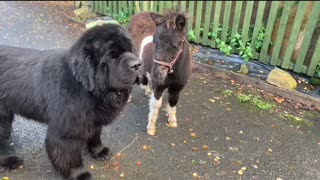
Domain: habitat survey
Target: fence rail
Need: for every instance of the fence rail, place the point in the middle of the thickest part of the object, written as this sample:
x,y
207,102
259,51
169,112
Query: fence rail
x,y
289,29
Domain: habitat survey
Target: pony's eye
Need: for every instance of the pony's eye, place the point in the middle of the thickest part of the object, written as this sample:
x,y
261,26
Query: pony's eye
x,y
175,45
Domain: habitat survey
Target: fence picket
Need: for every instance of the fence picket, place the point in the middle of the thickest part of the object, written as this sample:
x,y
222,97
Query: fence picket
x,y
198,21
161,6
315,59
280,34
226,16
246,22
294,34
216,21
307,37
257,27
191,12
269,27
207,22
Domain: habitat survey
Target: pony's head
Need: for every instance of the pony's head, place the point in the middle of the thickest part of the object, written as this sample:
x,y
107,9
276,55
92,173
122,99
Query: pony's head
x,y
168,40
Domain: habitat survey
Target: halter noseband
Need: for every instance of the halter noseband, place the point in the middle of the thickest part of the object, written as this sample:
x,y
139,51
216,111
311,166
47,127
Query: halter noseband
x,y
170,65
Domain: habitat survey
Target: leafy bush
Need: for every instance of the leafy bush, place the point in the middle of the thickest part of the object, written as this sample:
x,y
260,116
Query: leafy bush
x,y
122,17
236,42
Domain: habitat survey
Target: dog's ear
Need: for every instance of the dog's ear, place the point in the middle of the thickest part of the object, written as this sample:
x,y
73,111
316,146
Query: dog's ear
x,y
82,67
157,18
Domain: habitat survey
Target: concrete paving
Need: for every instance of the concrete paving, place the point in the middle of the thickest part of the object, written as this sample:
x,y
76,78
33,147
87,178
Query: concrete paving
x,y
216,137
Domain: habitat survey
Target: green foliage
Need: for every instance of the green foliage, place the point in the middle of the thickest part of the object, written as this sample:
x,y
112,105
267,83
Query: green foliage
x,y
236,42
261,104
122,17
296,120
191,35
227,92
244,97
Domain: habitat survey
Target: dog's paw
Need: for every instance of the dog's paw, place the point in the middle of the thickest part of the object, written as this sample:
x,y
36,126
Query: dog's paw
x,y
11,162
102,155
84,176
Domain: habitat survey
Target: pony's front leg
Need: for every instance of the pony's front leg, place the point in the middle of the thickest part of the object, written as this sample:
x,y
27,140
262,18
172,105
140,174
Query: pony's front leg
x,y
171,107
154,106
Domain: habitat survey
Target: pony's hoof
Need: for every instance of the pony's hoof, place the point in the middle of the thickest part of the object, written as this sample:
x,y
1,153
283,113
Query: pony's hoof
x,y
172,124
151,132
147,93
129,99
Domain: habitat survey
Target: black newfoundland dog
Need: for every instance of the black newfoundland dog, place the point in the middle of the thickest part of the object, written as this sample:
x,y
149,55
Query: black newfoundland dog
x,y
74,91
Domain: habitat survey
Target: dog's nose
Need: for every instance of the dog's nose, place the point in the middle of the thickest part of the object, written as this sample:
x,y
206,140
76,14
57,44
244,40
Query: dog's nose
x,y
135,65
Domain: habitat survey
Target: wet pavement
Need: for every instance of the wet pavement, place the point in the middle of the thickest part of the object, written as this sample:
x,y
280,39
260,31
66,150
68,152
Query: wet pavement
x,y
216,137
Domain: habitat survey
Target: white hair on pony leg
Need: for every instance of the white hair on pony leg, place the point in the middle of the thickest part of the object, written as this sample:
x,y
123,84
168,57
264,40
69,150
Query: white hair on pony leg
x,y
172,116
154,107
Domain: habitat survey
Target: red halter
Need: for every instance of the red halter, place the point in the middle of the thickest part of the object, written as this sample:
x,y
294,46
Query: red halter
x,y
170,65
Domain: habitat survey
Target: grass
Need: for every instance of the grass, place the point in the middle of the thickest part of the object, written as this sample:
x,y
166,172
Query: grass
x,y
296,120
227,93
243,97
261,104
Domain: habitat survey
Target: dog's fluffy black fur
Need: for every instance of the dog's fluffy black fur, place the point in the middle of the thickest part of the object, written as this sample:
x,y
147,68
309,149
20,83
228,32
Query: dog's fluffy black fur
x,y
74,91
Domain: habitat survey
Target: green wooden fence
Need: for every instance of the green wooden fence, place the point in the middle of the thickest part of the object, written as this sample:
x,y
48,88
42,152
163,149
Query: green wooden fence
x,y
291,27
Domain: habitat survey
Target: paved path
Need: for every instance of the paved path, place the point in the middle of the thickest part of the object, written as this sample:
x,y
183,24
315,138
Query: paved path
x,y
229,135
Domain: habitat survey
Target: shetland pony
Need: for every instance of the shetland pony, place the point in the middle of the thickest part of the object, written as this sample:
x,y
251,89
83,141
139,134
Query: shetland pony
x,y
162,46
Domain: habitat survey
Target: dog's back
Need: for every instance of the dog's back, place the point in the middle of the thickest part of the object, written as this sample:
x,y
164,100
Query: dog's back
x,y
20,92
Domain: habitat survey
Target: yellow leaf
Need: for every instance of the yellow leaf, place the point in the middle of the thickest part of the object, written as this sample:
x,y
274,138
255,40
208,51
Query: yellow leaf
x,y
193,135
122,175
195,175
212,100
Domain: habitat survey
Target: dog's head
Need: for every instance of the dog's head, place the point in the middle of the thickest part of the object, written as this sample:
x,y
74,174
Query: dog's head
x,y
104,58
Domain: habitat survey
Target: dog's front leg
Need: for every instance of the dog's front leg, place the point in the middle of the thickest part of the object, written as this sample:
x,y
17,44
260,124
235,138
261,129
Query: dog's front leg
x,y
97,150
65,156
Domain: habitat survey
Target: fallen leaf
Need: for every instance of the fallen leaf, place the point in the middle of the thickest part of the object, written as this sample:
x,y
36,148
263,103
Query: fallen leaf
x,y
190,129
146,148
212,100
241,132
122,175
118,155
279,100
91,167
185,142
193,135
173,145
240,172
209,154
205,147
228,138
194,149
5,178
139,163
195,175
217,158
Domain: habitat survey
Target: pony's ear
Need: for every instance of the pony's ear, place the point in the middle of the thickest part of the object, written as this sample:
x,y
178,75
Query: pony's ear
x,y
181,22
82,68
157,18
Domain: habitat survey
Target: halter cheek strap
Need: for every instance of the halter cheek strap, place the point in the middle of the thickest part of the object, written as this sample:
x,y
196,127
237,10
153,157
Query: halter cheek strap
x,y
170,65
